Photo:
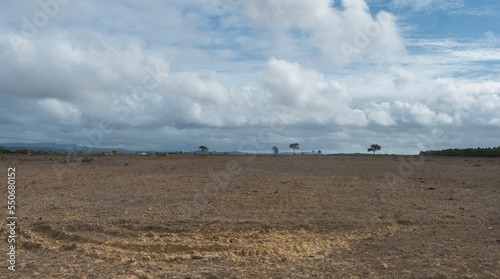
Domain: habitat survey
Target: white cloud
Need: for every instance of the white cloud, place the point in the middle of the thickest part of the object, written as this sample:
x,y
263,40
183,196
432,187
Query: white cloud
x,y
353,118
325,100
417,4
477,55
62,112
422,114
495,122
420,5
342,35
202,87
223,71
402,76
294,86
380,114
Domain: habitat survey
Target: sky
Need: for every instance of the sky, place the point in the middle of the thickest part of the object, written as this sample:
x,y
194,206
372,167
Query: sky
x,y
335,76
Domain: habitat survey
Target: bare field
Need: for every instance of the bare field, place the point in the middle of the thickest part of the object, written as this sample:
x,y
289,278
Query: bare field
x,y
183,216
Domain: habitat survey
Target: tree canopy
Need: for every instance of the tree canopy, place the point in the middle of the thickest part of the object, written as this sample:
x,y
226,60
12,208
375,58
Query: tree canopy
x,y
294,146
374,148
467,152
203,149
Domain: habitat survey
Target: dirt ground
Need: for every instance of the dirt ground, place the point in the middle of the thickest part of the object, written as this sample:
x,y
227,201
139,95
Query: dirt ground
x,y
184,216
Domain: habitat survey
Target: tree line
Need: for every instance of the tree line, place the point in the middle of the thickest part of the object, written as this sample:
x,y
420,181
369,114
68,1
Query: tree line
x,y
23,151
40,152
466,152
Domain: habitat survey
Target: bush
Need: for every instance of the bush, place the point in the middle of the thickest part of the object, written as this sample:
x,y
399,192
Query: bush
x,y
467,152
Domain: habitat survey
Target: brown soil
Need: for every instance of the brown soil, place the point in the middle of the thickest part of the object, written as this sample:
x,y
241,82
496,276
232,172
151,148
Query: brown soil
x,y
183,216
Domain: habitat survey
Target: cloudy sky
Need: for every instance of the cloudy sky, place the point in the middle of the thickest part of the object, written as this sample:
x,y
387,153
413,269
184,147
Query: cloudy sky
x,y
338,76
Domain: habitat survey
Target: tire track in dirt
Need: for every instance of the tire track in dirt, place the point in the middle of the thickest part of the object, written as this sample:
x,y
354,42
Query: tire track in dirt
x,y
187,246
42,232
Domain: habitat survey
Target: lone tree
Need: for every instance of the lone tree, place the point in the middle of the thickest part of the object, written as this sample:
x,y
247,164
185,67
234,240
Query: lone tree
x,y
294,146
374,148
275,150
203,149
319,152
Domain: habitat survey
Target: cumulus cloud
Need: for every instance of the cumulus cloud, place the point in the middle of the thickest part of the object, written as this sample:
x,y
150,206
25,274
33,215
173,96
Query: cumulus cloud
x,y
355,117
294,86
203,87
325,99
427,117
168,75
402,76
380,114
342,35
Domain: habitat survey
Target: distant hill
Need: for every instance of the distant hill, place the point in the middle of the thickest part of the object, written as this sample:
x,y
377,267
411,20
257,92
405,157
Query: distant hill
x,y
60,148
73,148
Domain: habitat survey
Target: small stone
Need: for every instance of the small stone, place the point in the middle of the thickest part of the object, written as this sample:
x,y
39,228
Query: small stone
x,y
196,256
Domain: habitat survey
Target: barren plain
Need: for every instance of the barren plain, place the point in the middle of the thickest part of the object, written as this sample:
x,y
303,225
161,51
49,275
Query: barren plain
x,y
184,216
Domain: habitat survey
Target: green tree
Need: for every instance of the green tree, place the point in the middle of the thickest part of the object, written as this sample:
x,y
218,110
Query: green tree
x,y
114,152
275,150
203,149
319,152
294,146
467,152
374,148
